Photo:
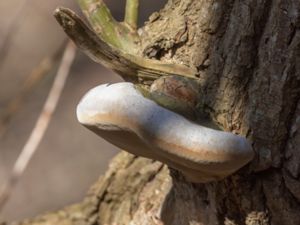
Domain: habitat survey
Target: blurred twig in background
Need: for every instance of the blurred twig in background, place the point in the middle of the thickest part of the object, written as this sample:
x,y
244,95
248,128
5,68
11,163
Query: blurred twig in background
x,y
4,45
32,80
41,125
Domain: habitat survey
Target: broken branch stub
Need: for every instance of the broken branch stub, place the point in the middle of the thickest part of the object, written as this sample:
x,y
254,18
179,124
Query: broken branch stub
x,y
131,67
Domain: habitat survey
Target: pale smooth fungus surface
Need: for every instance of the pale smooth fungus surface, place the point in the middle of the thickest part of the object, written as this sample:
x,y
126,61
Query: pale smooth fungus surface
x,y
123,116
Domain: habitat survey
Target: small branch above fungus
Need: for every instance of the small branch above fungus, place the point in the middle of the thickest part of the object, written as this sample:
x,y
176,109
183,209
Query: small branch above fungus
x,y
101,20
130,67
131,13
107,28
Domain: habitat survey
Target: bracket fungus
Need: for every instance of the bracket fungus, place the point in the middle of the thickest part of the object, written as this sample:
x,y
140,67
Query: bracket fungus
x,y
153,122
123,116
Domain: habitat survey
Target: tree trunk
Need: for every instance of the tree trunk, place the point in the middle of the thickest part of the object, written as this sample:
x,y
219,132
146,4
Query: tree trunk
x,y
248,57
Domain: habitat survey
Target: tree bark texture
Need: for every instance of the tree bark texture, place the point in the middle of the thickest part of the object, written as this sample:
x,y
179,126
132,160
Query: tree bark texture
x,y
248,57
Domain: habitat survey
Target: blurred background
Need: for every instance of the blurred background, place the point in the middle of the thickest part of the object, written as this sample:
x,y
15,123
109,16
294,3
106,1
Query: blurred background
x,y
70,158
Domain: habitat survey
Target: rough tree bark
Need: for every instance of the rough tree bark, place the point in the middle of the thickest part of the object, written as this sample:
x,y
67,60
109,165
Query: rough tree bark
x,y
248,57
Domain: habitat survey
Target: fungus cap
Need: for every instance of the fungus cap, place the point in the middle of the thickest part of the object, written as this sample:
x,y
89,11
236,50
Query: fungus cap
x,y
120,114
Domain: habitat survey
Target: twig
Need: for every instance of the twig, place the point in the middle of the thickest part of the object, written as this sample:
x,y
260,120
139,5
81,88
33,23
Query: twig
x,y
120,35
131,13
31,81
4,45
41,125
130,67
101,20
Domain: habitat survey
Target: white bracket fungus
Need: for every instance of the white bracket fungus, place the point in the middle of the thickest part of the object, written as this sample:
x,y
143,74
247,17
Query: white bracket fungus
x,y
157,129
123,116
